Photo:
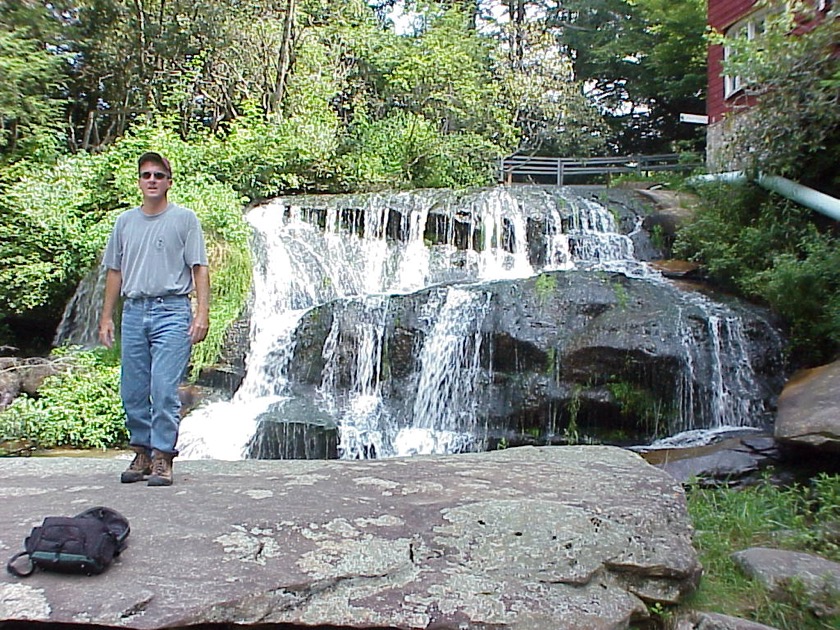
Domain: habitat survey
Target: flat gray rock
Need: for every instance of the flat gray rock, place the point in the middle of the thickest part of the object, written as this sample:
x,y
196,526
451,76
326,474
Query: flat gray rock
x,y
793,573
717,621
571,537
808,409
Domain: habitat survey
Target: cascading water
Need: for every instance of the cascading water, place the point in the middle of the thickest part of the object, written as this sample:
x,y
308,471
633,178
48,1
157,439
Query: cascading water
x,y
444,411
715,371
80,324
358,254
356,246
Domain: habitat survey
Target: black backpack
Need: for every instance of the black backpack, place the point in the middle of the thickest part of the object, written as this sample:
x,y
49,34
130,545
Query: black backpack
x,y
85,543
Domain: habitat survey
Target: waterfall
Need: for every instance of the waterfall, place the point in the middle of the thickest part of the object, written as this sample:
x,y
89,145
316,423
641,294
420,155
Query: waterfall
x,y
443,418
363,422
80,323
356,253
718,383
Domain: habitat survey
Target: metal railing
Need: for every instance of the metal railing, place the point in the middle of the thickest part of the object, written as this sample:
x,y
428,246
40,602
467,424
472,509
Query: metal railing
x,y
538,169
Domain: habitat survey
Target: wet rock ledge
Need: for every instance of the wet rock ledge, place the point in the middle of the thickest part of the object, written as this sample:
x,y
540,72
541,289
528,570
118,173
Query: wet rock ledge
x,y
553,537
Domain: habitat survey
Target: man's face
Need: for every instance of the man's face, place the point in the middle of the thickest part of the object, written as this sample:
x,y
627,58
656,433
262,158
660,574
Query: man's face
x,y
154,181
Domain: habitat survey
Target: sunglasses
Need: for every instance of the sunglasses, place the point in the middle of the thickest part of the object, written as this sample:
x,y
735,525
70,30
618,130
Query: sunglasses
x,y
156,174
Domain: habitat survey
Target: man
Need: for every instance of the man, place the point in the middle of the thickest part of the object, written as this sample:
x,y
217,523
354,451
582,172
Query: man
x,y
155,258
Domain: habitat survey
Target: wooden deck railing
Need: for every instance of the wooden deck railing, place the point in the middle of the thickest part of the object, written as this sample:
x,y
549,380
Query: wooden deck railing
x,y
539,169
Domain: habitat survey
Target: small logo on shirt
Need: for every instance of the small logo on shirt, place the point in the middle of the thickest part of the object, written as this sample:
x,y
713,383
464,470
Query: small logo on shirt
x,y
159,242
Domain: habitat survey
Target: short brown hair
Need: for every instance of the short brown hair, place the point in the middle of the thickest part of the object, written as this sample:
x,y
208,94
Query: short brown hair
x,y
155,158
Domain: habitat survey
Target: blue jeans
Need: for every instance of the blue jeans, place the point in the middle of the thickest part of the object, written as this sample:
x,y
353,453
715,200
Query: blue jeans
x,y
155,350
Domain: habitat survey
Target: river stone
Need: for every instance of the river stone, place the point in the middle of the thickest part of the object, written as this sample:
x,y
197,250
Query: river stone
x,y
808,407
793,574
716,621
35,371
550,537
734,461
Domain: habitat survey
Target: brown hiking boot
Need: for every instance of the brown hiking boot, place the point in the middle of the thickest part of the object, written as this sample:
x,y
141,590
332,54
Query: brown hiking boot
x,y
161,469
139,467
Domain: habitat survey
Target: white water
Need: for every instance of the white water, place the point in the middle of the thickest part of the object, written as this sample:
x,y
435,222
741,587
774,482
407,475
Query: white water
x,y
713,372
444,412
300,265
80,323
311,250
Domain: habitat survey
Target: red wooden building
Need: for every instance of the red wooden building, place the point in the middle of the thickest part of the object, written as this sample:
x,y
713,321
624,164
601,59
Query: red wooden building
x,y
725,95
724,16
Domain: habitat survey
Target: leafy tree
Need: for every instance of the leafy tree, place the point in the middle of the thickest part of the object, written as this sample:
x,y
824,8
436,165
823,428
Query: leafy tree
x,y
421,109
31,103
644,63
546,104
135,58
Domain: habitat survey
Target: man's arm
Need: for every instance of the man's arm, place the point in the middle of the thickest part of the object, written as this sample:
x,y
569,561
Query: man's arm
x,y
113,283
201,320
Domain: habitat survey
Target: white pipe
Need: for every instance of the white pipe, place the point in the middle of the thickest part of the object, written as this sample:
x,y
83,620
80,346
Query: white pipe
x,y
808,197
731,177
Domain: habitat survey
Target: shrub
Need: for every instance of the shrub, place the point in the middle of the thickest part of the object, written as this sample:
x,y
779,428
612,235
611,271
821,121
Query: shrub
x,y
405,150
775,252
79,407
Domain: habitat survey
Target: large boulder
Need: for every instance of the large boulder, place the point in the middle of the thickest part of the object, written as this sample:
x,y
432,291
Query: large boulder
x,y
808,409
549,359
9,380
527,538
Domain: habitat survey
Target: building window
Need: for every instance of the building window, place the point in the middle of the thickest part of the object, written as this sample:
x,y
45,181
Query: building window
x,y
748,28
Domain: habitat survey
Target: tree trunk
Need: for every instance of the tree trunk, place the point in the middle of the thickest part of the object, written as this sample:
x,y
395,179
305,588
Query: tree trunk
x,y
284,60
517,14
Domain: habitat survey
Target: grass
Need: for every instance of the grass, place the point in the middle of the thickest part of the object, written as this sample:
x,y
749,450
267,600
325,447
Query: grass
x,y
797,517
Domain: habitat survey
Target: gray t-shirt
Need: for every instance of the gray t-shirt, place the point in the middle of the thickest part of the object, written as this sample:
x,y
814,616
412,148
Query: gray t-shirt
x,y
156,253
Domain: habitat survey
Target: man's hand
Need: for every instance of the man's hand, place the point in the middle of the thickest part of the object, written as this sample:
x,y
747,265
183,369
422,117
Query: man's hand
x,y
201,322
198,329
113,282
106,332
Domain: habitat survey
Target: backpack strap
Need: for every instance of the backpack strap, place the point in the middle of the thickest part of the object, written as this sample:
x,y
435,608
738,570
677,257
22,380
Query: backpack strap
x,y
11,568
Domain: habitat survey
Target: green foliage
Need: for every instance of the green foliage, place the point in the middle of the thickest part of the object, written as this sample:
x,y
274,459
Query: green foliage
x,y
571,433
545,286
406,150
30,101
640,402
421,111
657,237
443,74
79,407
48,232
797,518
551,362
804,287
771,250
621,294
